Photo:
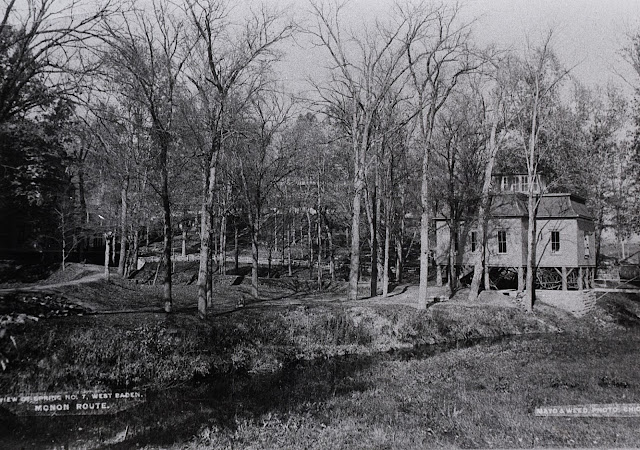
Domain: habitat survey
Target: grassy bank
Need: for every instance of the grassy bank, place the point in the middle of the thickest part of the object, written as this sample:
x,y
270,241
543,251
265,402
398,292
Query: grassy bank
x,y
479,397
300,370
154,351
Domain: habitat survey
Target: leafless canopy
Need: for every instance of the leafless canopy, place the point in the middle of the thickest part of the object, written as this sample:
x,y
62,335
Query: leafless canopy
x,y
43,43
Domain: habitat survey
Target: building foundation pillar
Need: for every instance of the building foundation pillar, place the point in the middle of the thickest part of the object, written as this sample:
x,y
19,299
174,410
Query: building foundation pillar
x,y
580,279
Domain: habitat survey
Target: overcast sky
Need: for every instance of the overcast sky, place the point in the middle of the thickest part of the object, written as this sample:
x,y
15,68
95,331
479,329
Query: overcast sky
x,y
588,33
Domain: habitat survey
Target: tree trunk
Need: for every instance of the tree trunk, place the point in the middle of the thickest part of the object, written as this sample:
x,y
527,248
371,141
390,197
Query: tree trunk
x,y
210,267
425,217
387,240
373,241
107,253
84,214
531,231
275,232
113,247
483,217
204,258
531,254
214,239
254,261
354,265
166,285
400,237
289,250
379,242
223,245
310,244
204,270
236,249
135,250
205,253
292,226
598,235
360,147
166,207
399,257
124,193
285,241
453,243
319,230
332,256
64,238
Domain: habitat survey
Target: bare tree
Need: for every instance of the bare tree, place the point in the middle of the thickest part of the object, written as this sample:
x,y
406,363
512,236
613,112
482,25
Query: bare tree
x,y
120,145
264,159
538,77
496,119
227,70
150,50
439,55
364,69
43,44
458,145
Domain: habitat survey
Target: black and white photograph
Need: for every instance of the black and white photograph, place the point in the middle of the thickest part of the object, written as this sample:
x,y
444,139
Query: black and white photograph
x,y
319,224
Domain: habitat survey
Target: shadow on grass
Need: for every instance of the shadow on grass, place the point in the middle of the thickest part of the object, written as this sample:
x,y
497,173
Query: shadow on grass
x,y
178,414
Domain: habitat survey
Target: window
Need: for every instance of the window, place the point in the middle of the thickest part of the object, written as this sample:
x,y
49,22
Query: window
x,y
502,241
555,241
474,240
587,251
524,183
504,183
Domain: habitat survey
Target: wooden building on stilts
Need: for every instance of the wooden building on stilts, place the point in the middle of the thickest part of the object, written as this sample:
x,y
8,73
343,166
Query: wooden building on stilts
x,y
565,244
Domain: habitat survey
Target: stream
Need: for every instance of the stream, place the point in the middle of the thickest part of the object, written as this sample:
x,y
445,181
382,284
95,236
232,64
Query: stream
x,y
179,413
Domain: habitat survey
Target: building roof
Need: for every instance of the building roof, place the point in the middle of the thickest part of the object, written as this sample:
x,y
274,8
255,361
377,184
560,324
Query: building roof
x,y
551,206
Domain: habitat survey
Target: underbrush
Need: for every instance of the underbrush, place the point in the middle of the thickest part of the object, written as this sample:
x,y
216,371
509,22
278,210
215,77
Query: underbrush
x,y
274,378
156,351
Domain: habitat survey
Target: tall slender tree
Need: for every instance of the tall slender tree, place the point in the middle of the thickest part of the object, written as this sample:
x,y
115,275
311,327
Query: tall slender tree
x,y
228,69
148,51
364,69
439,53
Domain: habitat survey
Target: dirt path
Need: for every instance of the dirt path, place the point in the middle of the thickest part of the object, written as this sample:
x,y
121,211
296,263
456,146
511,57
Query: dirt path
x,y
98,275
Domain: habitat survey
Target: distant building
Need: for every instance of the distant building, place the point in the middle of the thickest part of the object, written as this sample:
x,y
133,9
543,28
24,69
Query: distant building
x,y
565,248
517,183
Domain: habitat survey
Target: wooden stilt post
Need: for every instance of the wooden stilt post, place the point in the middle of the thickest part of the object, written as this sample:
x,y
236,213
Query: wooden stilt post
x,y
520,278
564,278
438,275
580,279
592,278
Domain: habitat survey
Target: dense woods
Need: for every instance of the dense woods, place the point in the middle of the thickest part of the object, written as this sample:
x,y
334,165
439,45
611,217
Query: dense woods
x,y
125,124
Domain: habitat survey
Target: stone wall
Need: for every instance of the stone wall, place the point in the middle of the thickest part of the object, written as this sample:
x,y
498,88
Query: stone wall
x,y
577,303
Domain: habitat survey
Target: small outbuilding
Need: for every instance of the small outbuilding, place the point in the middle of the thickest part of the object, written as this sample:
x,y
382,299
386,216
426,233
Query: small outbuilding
x,y
565,245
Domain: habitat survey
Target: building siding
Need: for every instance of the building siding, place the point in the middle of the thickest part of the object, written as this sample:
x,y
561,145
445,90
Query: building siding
x,y
572,245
